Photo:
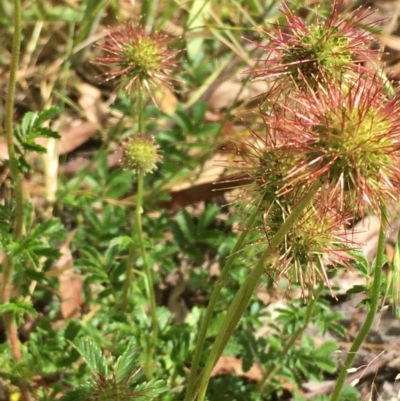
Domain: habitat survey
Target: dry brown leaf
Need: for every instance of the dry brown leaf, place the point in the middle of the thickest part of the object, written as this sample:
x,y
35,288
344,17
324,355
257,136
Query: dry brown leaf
x,y
70,285
393,42
166,100
3,149
227,365
230,91
75,136
91,103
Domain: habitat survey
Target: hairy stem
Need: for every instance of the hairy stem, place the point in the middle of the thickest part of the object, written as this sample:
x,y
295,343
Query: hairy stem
x,y
8,266
132,248
140,111
148,275
375,296
243,296
211,305
129,271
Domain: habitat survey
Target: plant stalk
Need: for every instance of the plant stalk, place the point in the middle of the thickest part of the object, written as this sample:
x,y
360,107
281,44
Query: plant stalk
x,y
148,275
137,246
243,296
213,301
375,296
129,271
140,111
8,266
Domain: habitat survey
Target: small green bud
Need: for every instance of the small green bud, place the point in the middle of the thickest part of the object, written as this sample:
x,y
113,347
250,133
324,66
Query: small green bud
x,y
141,153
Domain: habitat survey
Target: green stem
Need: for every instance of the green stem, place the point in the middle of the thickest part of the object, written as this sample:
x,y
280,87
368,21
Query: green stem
x,y
149,8
129,271
293,338
375,296
9,134
139,201
211,305
243,296
140,111
148,274
9,322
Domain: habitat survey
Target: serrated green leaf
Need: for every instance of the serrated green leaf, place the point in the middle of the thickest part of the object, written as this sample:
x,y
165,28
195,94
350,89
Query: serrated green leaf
x,y
47,228
72,330
357,289
199,111
93,356
127,364
208,216
122,242
326,364
327,348
102,166
361,263
33,147
274,343
365,302
27,122
307,341
118,184
44,132
23,165
18,307
339,328
45,115
183,120
186,225
152,389
110,256
349,393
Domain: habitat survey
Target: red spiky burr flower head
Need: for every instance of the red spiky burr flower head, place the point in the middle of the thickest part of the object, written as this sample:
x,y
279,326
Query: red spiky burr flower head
x,y
142,60
299,52
315,243
317,240
347,136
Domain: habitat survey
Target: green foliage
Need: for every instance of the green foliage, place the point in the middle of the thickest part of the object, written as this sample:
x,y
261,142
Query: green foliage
x,y
304,360
348,394
115,380
31,129
103,354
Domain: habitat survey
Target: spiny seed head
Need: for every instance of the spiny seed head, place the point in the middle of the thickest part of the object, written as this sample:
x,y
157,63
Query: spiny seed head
x,y
317,240
299,53
142,60
314,243
264,164
140,153
346,136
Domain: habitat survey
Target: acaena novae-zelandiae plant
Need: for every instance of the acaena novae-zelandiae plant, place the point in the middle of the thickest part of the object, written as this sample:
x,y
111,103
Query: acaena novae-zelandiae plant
x,y
331,146
140,63
346,136
303,55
